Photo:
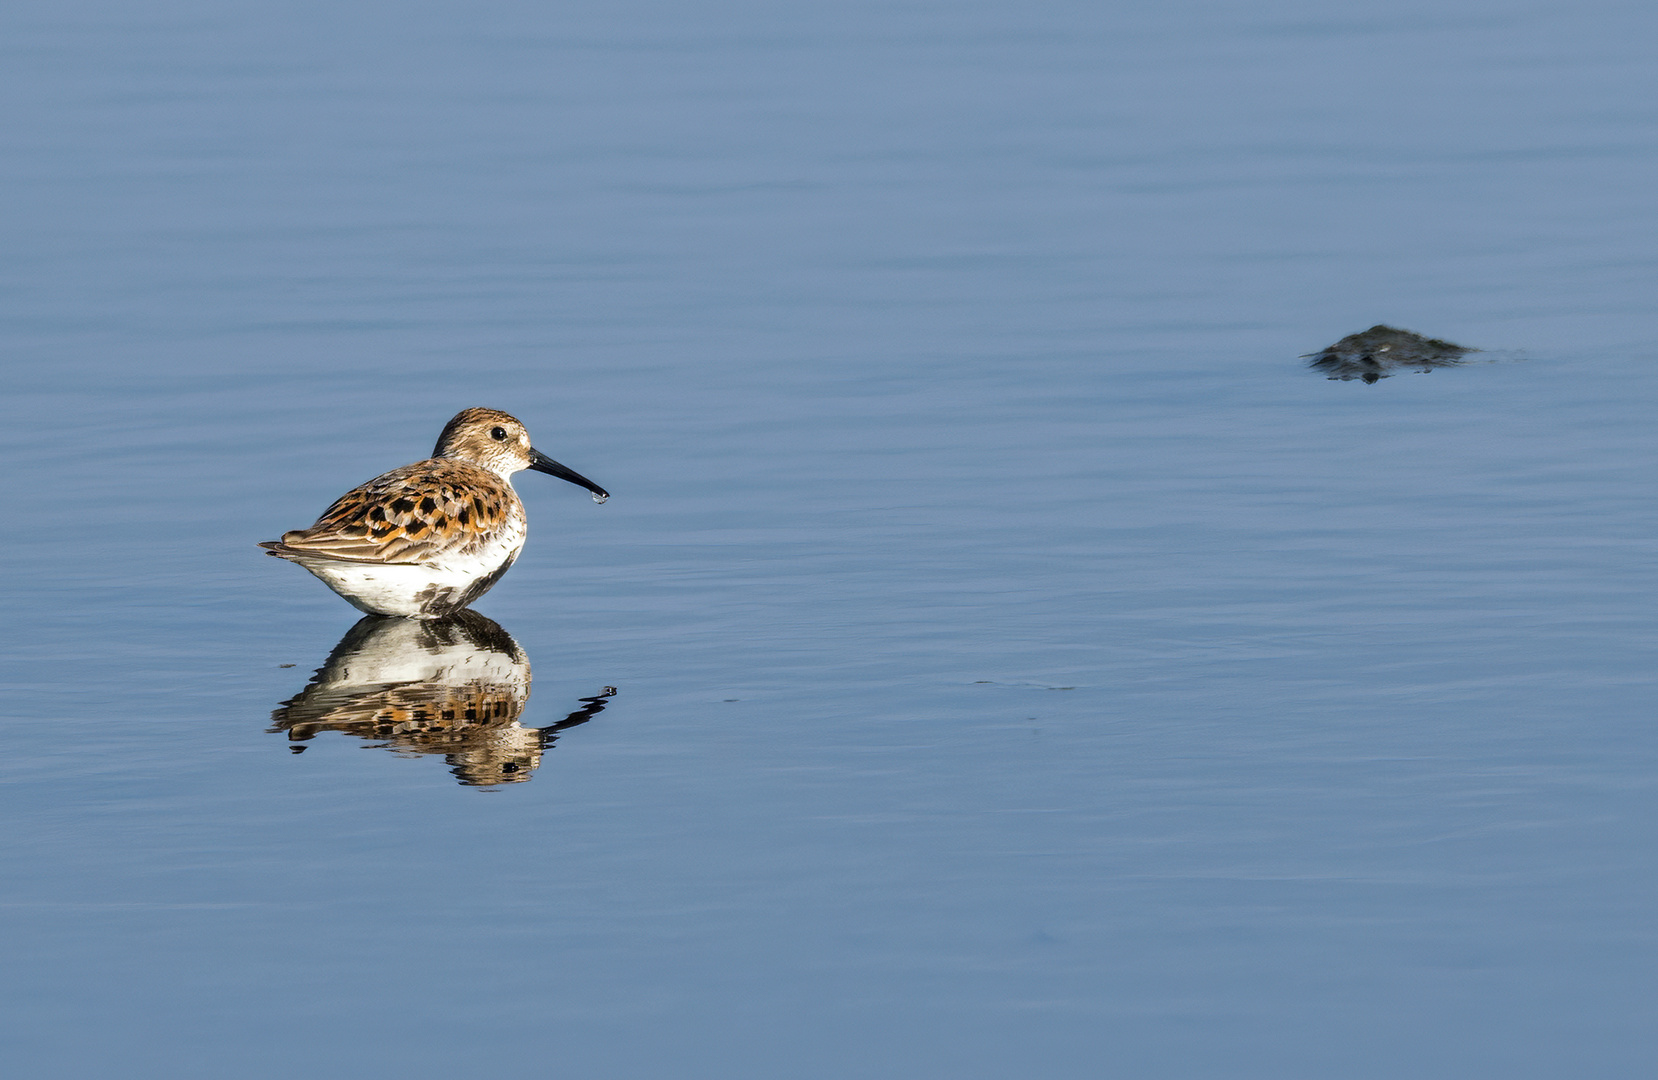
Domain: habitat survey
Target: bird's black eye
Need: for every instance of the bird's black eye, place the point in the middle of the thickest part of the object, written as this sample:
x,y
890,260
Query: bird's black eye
x,y
499,434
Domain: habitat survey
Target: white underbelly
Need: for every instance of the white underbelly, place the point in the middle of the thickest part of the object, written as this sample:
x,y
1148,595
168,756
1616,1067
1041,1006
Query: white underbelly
x,y
421,590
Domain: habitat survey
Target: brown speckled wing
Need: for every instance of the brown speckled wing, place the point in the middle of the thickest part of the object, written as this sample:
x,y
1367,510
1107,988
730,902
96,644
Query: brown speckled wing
x,y
408,515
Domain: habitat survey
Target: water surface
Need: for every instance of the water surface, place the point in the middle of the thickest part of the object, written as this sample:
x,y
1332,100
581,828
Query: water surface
x,y
1023,664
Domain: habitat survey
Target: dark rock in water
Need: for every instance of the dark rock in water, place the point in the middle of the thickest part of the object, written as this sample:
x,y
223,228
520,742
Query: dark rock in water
x,y
1382,351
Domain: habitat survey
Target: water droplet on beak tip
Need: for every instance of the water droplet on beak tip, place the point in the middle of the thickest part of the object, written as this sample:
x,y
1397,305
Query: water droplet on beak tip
x,y
599,498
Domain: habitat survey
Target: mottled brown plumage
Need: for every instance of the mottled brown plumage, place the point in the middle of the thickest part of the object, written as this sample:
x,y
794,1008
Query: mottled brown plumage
x,y
429,538
409,515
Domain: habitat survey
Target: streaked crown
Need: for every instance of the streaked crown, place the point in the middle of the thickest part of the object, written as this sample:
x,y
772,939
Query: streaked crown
x,y
488,438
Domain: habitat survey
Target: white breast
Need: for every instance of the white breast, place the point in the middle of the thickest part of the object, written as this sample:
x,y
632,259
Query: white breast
x,y
422,590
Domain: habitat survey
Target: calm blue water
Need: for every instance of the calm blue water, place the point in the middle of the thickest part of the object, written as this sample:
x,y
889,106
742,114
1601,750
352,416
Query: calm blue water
x,y
1024,666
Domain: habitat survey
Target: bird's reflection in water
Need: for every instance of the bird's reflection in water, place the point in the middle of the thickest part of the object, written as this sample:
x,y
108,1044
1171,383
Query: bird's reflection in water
x,y
454,686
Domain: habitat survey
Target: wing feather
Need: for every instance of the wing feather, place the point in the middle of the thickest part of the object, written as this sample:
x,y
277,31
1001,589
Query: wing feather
x,y
409,515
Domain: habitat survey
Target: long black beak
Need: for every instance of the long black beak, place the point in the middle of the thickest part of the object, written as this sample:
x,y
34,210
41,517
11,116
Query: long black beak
x,y
542,463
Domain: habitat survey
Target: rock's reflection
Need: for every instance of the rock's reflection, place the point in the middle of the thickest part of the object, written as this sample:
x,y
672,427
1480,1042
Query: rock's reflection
x,y
1381,352
454,686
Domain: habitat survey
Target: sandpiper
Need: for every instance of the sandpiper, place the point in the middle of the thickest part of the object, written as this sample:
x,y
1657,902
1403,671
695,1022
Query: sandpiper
x,y
428,539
